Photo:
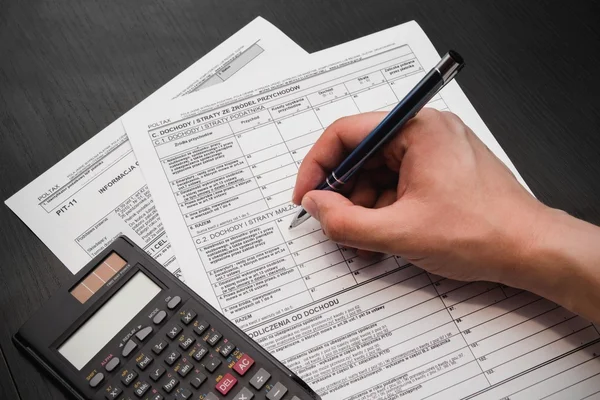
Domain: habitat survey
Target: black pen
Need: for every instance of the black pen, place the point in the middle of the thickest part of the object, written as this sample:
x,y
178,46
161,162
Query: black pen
x,y
412,103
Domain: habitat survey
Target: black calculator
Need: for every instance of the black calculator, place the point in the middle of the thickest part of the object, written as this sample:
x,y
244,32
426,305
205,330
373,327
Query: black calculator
x,y
127,329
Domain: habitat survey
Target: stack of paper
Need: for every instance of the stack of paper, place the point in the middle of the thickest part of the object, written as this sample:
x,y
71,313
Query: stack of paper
x,y
220,165
98,192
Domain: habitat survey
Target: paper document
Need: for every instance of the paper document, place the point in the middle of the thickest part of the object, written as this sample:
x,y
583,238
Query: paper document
x,y
98,192
223,165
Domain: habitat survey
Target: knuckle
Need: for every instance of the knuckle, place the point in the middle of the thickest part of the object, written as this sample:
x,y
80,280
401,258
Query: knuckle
x,y
430,113
436,124
427,122
452,120
429,117
449,115
339,123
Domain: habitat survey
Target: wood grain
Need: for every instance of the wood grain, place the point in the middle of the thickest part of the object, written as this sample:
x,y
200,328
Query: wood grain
x,y
8,390
70,67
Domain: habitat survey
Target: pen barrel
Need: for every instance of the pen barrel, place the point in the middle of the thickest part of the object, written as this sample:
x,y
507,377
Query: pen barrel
x,y
412,103
331,183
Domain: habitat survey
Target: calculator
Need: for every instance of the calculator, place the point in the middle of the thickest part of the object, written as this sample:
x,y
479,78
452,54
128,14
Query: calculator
x,y
127,329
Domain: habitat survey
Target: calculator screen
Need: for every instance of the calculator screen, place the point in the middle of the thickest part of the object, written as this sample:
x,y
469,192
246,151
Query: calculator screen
x,y
98,330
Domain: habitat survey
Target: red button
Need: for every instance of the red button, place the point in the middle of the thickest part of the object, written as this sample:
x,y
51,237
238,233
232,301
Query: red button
x,y
243,364
225,384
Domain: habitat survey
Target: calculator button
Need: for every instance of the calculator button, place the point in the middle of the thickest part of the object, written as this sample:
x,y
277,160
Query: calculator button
x,y
143,361
174,302
214,338
200,327
183,394
171,358
226,349
243,364
199,352
226,384
97,379
112,392
186,341
130,346
211,396
156,396
159,317
170,385
174,331
184,368
128,376
140,388
112,364
260,378
144,333
160,346
197,379
212,364
277,392
188,316
244,394
156,373
295,398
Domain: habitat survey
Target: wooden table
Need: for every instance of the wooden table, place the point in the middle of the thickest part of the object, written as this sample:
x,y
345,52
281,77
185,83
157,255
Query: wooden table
x,y
70,67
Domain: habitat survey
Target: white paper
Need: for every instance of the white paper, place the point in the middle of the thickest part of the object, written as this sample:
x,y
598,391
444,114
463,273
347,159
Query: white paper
x,y
223,166
98,192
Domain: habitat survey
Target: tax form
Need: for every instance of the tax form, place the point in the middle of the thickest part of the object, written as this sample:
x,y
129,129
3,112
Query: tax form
x,y
98,192
223,166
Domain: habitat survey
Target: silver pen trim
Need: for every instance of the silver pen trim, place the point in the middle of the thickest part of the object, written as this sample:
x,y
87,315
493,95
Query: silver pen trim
x,y
336,178
448,67
335,186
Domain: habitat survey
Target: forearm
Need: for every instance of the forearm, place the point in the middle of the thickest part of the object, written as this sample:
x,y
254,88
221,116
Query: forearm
x,y
563,265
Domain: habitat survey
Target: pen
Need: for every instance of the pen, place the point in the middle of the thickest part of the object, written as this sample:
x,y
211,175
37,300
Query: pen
x,y
410,105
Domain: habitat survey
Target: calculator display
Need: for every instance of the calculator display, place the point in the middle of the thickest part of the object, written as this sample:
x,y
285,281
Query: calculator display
x,y
99,329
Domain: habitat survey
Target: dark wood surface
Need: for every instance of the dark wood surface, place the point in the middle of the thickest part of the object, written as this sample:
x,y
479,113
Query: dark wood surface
x,y
8,389
70,67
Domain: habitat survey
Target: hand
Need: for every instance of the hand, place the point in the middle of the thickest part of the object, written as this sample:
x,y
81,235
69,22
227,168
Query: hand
x,y
435,195
440,199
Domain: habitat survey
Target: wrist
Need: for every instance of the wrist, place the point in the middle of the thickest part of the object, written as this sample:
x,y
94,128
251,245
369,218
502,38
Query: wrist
x,y
560,260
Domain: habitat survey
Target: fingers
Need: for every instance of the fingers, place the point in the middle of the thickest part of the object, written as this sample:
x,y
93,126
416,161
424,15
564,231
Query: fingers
x,y
387,198
431,146
430,133
349,224
364,193
332,147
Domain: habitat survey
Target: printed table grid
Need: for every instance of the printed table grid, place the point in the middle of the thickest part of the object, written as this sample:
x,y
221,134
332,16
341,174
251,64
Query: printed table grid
x,y
493,332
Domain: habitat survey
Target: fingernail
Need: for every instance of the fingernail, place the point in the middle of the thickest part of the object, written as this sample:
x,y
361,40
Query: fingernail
x,y
311,207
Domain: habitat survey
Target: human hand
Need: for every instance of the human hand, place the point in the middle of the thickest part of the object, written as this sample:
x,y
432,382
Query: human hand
x,y
435,195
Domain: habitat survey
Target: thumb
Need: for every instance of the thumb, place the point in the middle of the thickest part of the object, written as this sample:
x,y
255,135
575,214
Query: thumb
x,y
351,225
